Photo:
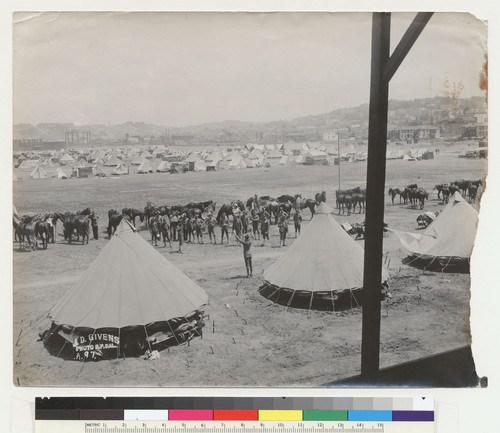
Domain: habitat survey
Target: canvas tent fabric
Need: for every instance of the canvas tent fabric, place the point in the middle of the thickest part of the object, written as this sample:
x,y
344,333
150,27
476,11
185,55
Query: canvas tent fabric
x,y
113,161
448,242
130,284
237,163
61,174
120,169
145,167
323,269
38,173
163,167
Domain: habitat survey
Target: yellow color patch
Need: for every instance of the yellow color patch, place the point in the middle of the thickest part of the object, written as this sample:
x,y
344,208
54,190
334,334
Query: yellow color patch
x,y
280,415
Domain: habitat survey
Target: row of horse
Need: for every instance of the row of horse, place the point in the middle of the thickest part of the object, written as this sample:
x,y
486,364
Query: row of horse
x,y
410,194
349,199
468,188
30,229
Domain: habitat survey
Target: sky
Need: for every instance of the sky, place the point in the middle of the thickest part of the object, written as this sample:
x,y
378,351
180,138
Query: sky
x,y
179,69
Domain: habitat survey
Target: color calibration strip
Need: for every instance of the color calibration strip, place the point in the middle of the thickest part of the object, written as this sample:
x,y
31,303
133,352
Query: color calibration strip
x,y
237,409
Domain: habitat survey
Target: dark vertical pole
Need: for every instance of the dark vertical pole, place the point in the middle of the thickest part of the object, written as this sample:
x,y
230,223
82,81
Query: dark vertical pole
x,y
375,182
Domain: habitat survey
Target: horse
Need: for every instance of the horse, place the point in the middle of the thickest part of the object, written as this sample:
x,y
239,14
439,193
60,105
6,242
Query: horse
x,y
114,219
78,223
344,202
227,209
85,211
203,206
419,194
43,230
393,192
273,209
358,200
463,185
310,204
446,193
286,198
439,189
133,214
472,193
26,232
320,197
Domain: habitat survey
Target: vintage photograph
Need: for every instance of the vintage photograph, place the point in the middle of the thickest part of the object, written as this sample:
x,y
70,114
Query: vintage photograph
x,y
190,196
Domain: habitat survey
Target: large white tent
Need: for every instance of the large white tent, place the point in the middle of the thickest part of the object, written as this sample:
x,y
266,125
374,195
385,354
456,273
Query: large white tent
x,y
447,242
131,294
323,269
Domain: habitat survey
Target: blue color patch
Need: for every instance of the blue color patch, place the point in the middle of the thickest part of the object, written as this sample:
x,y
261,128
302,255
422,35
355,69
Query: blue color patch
x,y
369,415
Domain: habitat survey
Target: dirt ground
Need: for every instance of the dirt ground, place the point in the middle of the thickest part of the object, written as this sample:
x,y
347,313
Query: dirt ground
x,y
248,340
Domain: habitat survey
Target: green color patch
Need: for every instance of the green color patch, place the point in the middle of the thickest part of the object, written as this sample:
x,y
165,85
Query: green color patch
x,y
325,415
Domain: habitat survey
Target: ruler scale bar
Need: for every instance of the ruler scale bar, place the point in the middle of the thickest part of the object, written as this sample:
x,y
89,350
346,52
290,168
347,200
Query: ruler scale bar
x,y
47,426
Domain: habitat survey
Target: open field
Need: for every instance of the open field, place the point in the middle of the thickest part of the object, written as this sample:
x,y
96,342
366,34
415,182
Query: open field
x,y
248,341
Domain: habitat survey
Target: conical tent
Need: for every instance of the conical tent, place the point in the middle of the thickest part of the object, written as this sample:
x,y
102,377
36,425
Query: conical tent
x,y
447,243
145,167
131,294
61,174
322,270
163,167
113,161
38,173
120,169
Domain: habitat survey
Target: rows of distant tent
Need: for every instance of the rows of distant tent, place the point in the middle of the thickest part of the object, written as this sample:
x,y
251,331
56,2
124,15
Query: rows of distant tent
x,y
84,163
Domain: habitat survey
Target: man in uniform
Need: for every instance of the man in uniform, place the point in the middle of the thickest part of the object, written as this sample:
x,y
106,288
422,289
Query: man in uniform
x,y
247,254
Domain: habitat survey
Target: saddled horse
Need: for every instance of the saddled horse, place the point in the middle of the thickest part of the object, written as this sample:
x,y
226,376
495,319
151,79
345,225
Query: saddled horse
x,y
235,207
418,195
133,214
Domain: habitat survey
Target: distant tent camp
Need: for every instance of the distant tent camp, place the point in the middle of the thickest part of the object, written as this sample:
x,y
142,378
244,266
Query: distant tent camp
x,y
38,173
145,167
120,169
164,167
322,270
98,171
129,300
446,245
